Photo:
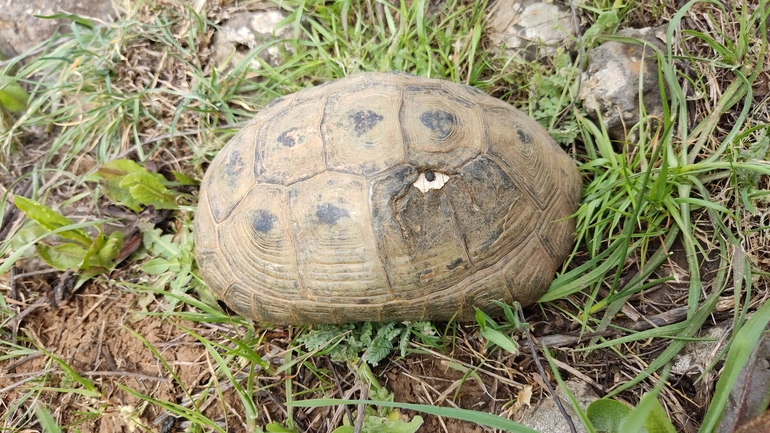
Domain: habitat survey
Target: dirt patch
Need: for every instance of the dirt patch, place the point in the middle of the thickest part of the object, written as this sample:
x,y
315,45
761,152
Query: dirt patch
x,y
435,382
95,335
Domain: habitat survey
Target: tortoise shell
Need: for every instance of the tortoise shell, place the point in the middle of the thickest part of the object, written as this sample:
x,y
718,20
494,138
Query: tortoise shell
x,y
385,197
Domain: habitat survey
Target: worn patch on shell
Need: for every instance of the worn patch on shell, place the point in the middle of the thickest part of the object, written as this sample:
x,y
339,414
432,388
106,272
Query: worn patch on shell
x,y
425,185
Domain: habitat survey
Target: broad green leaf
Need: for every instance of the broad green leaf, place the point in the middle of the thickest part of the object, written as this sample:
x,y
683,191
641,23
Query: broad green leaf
x,y
93,251
148,190
606,20
500,339
28,235
51,219
12,96
62,257
120,168
657,420
743,345
160,244
121,196
184,179
606,415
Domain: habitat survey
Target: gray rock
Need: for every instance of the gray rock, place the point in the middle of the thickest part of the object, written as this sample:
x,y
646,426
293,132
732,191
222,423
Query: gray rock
x,y
611,82
20,30
527,25
546,417
247,31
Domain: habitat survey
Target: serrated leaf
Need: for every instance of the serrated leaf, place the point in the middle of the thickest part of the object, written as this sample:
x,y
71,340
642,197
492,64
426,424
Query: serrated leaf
x,y
51,219
62,257
148,190
12,96
401,426
162,245
377,351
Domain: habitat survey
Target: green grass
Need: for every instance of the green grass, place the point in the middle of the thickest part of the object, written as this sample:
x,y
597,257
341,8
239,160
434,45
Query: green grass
x,y
692,181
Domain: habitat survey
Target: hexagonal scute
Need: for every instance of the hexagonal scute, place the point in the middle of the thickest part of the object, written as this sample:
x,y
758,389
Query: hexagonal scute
x,y
492,214
441,130
336,250
526,152
289,140
259,243
232,169
416,235
361,130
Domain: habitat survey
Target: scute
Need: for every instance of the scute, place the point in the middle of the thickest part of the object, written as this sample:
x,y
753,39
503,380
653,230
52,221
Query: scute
x,y
259,243
336,251
526,154
361,130
291,139
232,169
492,214
385,197
441,129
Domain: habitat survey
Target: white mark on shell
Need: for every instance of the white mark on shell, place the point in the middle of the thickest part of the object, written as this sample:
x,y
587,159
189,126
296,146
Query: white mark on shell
x,y
425,185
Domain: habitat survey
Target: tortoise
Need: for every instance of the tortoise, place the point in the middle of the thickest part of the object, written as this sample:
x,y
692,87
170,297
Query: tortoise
x,y
385,197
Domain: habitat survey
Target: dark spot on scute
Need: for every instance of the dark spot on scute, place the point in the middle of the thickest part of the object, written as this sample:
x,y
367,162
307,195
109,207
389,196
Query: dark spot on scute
x,y
455,263
430,176
330,214
262,221
523,136
287,137
233,167
365,120
439,122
